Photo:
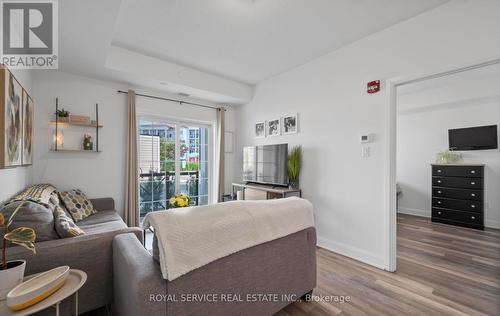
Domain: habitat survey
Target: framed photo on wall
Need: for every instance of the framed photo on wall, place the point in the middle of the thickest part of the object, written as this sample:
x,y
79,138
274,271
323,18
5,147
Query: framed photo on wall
x,y
16,122
11,97
290,124
260,130
27,127
274,127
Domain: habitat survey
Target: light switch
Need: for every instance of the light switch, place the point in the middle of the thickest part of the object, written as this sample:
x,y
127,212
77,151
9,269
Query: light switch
x,y
365,151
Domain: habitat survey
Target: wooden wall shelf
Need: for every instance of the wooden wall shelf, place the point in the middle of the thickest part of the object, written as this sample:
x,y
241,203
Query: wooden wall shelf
x,y
58,124
74,151
74,124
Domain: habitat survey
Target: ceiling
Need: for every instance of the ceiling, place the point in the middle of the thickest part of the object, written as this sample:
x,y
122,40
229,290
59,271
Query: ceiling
x,y
218,49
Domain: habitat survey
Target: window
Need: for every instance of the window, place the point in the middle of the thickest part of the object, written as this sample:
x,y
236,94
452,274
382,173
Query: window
x,y
173,158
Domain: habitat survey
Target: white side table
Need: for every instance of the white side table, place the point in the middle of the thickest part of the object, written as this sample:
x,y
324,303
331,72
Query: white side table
x,y
76,279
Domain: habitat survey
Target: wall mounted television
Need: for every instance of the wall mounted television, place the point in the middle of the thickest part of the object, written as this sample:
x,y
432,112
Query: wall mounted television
x,y
266,164
473,138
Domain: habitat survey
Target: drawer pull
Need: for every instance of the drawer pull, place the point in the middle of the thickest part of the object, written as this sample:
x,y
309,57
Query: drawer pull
x,y
472,217
473,183
439,170
473,194
439,192
439,181
439,213
439,202
473,206
473,171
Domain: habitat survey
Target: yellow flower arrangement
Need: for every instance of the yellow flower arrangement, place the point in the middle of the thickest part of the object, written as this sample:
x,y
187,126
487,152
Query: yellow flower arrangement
x,y
180,200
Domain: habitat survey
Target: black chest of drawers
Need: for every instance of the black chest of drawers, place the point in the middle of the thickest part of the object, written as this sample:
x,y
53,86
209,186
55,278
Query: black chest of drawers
x,y
458,195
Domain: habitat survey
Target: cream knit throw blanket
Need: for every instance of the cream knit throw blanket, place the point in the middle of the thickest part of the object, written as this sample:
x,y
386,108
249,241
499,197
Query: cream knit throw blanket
x,y
191,237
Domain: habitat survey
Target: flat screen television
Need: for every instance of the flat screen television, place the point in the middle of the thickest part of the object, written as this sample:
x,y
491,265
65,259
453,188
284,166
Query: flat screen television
x,y
473,138
266,164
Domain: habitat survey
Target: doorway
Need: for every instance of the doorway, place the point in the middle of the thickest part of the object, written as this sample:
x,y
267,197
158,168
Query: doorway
x,y
174,158
430,83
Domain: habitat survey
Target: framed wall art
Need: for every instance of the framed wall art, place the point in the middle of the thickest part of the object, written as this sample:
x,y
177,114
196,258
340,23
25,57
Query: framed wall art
x,y
290,124
16,130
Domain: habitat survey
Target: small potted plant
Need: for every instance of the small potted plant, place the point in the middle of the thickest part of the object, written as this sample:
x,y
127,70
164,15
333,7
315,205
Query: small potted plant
x,y
449,156
12,272
294,166
62,116
180,200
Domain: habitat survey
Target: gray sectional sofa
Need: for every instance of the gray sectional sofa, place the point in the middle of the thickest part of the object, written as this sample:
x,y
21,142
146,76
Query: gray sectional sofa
x,y
91,252
285,267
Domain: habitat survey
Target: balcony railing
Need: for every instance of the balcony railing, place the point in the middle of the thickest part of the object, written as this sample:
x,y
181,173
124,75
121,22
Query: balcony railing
x,y
156,188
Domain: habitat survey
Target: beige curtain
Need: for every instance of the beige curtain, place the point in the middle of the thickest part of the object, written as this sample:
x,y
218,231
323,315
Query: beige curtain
x,y
131,172
220,154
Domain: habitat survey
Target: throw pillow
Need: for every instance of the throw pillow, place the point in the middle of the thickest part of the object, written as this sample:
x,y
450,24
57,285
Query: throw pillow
x,y
33,215
64,225
77,204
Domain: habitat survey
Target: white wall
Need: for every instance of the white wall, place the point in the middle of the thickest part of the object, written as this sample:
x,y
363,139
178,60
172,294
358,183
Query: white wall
x,y
101,174
14,180
330,96
426,113
96,174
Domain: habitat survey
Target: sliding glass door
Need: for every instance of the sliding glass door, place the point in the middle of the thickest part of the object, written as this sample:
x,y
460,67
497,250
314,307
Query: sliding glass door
x,y
173,158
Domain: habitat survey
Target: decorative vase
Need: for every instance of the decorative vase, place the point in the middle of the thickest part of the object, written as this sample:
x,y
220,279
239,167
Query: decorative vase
x,y
87,142
59,138
11,277
294,184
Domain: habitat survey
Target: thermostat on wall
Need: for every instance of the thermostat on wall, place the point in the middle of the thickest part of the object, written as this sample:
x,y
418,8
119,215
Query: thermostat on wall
x,y
366,138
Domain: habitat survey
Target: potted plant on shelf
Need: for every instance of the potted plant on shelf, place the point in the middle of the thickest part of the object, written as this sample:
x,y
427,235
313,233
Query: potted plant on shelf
x,y
294,166
180,200
12,272
62,116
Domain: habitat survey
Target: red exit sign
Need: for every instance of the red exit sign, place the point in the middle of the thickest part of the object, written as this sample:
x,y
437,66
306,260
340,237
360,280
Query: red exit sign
x,y
373,86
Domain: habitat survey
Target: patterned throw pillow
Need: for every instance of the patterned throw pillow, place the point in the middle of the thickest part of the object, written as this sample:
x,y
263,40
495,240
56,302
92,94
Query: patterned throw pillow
x,y
65,227
77,204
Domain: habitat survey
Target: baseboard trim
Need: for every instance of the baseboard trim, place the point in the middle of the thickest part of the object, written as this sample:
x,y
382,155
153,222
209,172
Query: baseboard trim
x,y
415,212
491,224
424,213
352,252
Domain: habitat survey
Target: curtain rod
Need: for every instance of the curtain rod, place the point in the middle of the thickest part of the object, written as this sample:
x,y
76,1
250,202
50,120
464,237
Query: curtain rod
x,y
174,100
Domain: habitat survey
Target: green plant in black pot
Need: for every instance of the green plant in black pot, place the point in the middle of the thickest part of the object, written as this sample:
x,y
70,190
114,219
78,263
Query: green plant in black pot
x,y
62,113
294,166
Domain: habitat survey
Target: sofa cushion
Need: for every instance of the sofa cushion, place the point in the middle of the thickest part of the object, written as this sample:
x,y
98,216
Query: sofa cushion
x,y
32,215
77,204
102,221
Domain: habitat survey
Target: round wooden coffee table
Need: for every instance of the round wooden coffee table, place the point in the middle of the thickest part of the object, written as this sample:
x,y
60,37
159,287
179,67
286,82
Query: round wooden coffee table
x,y
76,279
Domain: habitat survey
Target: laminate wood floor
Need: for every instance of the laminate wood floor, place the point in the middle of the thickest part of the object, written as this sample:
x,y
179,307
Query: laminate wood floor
x,y
442,270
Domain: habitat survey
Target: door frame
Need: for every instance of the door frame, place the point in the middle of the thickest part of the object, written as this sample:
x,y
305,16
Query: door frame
x,y
181,123
391,149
